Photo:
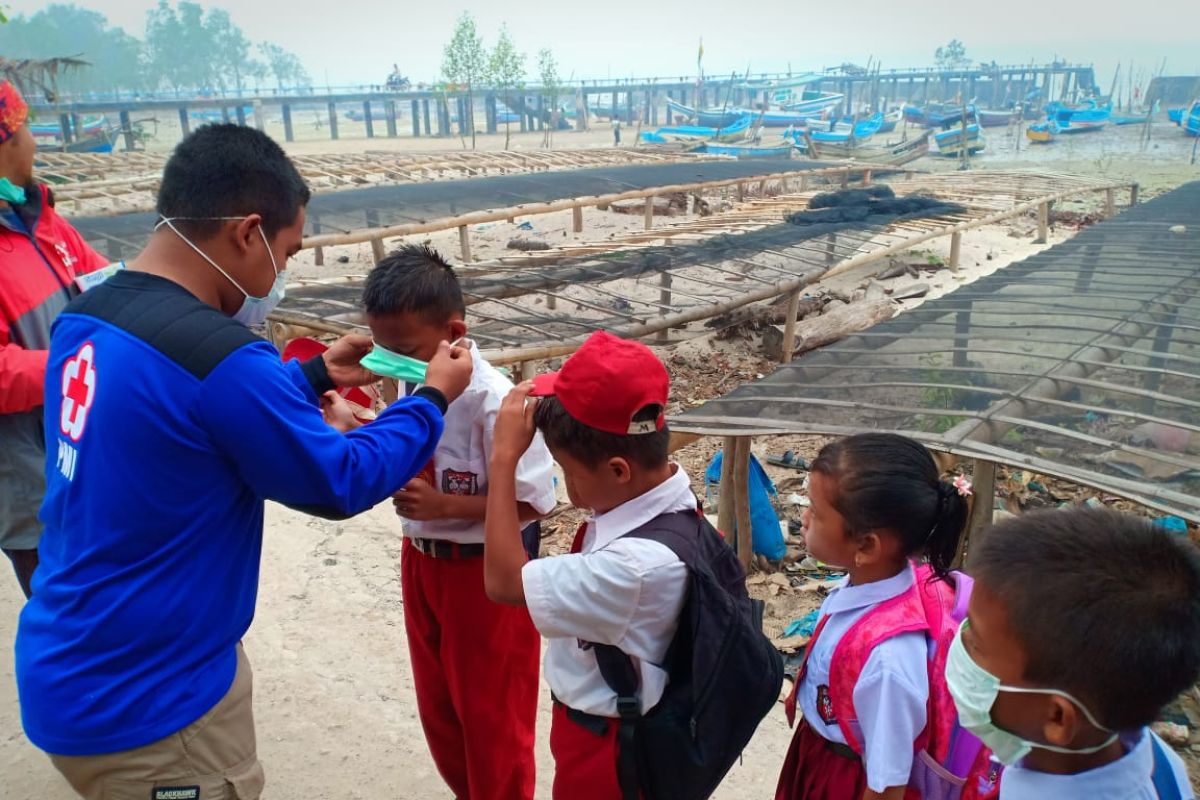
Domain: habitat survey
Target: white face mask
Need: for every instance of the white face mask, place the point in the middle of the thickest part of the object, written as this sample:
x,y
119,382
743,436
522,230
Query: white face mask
x,y
254,310
975,690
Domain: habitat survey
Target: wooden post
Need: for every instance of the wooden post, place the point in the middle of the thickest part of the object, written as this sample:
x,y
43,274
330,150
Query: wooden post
x,y
983,497
664,299
955,249
866,177
577,219
741,494
425,116
804,183
725,500
127,130
377,250
1043,223
288,134
367,118
333,130
318,252
831,248
240,112
649,213
789,328
1133,193
64,125
185,124
225,114
741,191
1110,203
464,240
260,120
552,301
962,336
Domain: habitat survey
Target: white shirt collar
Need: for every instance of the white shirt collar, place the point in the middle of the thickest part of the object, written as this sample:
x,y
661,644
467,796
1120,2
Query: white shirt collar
x,y
844,597
673,494
1124,778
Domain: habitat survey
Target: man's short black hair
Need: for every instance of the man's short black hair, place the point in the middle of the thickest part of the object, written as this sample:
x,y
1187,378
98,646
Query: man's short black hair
x,y
230,171
592,446
414,278
1106,606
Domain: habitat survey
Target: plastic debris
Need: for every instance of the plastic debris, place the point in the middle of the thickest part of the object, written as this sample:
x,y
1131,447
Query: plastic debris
x,y
803,626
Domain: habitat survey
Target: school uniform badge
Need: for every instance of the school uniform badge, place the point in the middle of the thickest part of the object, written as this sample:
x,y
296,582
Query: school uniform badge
x,y
463,484
825,706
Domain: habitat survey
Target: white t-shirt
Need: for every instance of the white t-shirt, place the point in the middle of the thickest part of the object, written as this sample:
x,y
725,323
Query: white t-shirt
x,y
623,592
891,694
462,457
1128,778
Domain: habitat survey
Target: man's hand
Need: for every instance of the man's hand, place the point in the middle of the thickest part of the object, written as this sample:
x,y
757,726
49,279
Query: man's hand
x,y
449,371
342,357
337,412
514,425
419,501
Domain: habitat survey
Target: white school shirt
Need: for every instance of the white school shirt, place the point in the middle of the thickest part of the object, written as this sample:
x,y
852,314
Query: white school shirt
x,y
465,449
1127,778
891,694
623,592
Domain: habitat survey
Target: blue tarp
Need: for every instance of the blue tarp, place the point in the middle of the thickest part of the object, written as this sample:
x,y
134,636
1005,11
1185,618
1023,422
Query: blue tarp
x,y
765,535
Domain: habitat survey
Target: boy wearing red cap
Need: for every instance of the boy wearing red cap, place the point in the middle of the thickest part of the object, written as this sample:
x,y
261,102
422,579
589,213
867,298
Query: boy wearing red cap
x,y
44,259
602,417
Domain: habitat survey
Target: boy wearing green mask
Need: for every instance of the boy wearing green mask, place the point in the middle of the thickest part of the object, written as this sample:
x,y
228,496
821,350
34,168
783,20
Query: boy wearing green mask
x,y
474,662
1082,625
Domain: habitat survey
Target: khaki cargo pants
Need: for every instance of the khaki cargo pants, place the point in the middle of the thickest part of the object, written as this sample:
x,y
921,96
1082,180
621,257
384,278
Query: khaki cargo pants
x,y
214,758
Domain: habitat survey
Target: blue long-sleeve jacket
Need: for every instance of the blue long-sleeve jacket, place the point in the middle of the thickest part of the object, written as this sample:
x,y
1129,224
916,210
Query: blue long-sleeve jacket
x,y
167,425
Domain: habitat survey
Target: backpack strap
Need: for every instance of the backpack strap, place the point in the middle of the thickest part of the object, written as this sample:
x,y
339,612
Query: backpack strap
x,y
679,532
1163,776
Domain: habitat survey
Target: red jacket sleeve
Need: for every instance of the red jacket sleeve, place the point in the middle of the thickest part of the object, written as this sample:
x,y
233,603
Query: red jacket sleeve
x,y
86,259
22,376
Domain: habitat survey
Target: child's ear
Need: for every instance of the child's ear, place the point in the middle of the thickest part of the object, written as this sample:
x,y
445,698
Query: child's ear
x,y
1060,724
457,329
620,470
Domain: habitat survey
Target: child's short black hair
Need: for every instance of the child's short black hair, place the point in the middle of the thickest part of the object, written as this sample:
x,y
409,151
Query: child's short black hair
x,y
230,171
414,278
1106,606
592,446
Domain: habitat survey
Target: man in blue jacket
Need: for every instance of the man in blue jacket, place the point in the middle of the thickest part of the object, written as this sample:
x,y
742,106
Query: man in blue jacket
x,y
168,423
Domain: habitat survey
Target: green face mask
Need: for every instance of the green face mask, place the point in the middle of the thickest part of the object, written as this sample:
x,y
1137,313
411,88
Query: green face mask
x,y
384,362
11,193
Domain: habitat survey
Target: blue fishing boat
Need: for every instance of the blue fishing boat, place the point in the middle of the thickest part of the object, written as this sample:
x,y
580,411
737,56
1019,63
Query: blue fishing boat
x,y
859,131
1176,115
89,126
951,142
814,102
721,117
890,120
1079,119
1191,122
739,151
1041,132
728,133
938,115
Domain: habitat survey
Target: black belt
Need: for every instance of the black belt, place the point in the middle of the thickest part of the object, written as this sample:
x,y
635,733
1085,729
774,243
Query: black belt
x,y
438,548
843,750
592,723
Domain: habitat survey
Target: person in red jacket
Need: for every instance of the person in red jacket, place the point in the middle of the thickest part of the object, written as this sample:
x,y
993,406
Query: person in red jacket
x,y
41,258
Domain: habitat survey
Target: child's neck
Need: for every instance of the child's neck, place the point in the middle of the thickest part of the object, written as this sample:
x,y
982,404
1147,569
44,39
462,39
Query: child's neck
x,y
1071,763
642,483
873,573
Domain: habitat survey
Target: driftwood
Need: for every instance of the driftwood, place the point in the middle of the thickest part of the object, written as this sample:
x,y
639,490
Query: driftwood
x,y
770,314
671,205
828,328
527,244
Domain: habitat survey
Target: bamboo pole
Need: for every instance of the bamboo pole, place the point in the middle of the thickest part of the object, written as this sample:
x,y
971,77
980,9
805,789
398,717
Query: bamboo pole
x,y
649,212
789,329
664,299
577,219
1043,231
955,249
726,511
377,250
741,494
983,498
464,241
1110,203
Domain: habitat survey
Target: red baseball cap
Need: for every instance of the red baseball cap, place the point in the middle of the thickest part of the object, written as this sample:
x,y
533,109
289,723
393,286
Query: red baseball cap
x,y
607,382
303,348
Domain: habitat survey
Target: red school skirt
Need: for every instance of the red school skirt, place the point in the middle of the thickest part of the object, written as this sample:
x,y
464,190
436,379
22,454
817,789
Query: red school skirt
x,y
818,769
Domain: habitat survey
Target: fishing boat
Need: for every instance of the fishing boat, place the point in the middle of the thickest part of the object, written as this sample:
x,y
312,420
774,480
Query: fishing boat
x,y
890,120
892,154
939,115
1191,122
812,101
720,117
674,133
1129,119
1176,115
1041,132
87,127
744,151
951,142
1071,119
992,118
859,131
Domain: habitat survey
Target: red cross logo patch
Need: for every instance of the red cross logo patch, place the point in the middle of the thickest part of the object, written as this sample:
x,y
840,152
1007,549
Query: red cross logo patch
x,y
78,391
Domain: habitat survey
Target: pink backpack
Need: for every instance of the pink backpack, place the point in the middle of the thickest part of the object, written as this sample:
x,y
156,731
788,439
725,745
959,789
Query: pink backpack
x,y
950,763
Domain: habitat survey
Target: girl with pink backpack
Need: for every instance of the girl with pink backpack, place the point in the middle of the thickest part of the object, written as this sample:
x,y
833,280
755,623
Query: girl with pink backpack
x,y
877,719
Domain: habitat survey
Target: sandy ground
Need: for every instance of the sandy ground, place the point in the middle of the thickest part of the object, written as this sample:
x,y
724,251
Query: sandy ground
x,y
334,700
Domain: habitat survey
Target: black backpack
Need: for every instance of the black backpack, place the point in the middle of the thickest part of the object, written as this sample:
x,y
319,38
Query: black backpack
x,y
725,675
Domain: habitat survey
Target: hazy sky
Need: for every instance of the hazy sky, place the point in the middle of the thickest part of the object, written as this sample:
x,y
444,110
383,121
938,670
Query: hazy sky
x,y
356,41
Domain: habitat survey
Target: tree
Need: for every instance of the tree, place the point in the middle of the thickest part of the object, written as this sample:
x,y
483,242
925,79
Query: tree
x,y
952,56
285,66
56,30
551,87
464,61
231,53
507,68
